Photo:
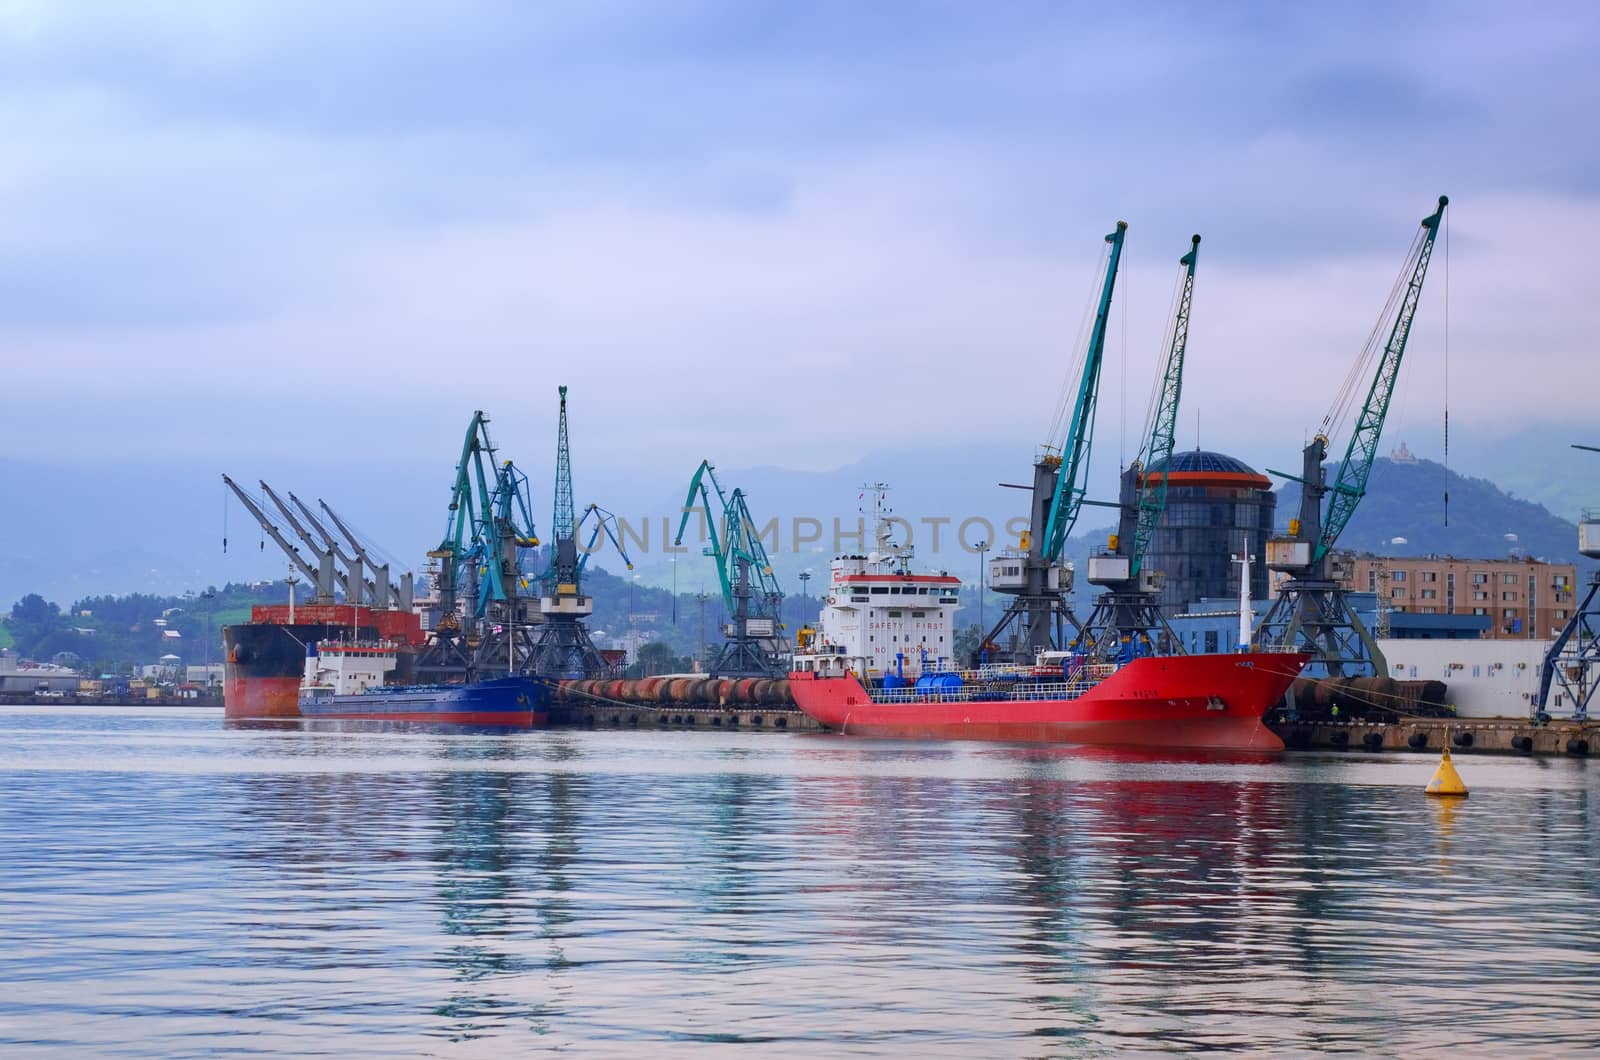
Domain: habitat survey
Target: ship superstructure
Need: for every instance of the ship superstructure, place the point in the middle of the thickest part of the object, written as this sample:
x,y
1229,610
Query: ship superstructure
x,y
879,620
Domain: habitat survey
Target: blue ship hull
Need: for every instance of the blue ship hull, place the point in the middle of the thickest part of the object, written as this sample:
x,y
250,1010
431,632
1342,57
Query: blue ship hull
x,y
504,702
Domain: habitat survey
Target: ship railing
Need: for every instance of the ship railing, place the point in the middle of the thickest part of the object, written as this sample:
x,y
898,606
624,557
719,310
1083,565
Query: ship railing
x,y
1057,690
1029,691
911,695
1089,673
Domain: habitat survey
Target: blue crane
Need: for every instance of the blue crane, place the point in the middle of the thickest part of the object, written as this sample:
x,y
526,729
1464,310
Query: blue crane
x,y
1572,665
604,522
754,644
1129,610
1310,611
503,541
488,532
1033,572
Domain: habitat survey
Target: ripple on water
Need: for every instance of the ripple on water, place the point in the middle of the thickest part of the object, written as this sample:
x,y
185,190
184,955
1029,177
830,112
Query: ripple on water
x,y
169,886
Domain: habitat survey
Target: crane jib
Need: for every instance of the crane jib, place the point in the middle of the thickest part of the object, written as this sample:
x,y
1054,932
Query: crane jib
x,y
1351,483
1163,433
1071,475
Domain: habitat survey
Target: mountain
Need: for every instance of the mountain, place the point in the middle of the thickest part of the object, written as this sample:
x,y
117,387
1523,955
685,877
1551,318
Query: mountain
x,y
1404,514
157,526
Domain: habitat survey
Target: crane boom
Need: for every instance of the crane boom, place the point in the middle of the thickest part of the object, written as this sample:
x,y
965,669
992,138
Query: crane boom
x,y
313,575
1351,485
329,542
698,492
1072,474
1163,434
605,522
384,593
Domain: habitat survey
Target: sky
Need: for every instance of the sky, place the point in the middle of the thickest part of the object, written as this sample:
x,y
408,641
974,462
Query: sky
x,y
247,237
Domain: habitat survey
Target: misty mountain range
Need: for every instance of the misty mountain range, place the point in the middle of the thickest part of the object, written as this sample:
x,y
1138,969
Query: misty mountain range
x,y
160,528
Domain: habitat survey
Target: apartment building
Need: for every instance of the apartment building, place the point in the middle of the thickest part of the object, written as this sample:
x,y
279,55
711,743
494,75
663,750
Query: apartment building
x,y
1524,599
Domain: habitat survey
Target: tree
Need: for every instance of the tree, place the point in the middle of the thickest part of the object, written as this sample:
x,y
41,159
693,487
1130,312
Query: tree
x,y
33,622
34,610
968,640
656,658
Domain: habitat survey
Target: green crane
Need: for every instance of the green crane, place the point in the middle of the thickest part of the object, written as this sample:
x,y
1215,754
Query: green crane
x,y
478,572
469,508
1033,572
562,647
1310,611
755,643
1129,610
1163,435
1072,454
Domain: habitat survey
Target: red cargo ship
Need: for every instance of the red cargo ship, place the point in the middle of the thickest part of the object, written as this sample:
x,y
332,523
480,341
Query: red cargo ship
x,y
1202,701
266,658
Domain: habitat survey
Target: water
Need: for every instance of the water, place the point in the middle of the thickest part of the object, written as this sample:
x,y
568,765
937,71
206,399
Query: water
x,y
170,887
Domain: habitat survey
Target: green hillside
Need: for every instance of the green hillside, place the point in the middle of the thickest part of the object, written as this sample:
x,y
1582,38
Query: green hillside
x,y
113,634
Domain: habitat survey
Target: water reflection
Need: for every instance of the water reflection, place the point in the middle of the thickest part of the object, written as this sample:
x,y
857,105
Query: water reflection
x,y
170,883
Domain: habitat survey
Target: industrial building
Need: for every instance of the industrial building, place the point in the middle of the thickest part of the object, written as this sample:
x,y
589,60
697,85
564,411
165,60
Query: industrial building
x,y
1522,599
1210,625
1216,505
20,675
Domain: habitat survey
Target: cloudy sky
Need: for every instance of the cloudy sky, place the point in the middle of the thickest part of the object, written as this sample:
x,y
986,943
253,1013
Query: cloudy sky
x,y
787,234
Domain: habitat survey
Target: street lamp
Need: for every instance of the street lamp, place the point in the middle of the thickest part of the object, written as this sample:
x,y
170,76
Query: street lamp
x,y
208,596
982,547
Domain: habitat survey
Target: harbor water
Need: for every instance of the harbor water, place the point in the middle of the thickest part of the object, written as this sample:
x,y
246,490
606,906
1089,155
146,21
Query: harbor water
x,y
170,886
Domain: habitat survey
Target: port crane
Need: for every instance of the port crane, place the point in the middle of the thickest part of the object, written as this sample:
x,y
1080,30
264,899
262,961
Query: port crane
x,y
503,609
1311,610
1572,665
1034,573
562,647
1128,611
754,644
483,620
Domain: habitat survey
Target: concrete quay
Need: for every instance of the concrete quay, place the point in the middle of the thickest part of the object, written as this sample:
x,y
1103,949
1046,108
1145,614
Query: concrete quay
x,y
1430,735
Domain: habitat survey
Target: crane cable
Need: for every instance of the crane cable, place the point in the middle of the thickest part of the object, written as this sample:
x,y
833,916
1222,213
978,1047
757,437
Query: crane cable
x,y
1122,380
1346,397
1068,392
1447,371
1153,409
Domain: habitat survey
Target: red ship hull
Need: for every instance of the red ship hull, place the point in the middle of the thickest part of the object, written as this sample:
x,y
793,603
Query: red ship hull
x,y
1203,701
260,697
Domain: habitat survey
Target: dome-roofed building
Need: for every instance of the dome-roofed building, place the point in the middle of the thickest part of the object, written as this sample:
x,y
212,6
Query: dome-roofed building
x,y
1215,504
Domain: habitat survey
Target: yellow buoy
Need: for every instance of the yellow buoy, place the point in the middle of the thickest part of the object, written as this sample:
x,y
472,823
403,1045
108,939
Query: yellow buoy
x,y
1446,781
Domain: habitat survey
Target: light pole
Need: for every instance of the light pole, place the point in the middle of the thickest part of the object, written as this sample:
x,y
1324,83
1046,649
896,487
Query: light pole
x,y
208,596
805,600
982,547
701,597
